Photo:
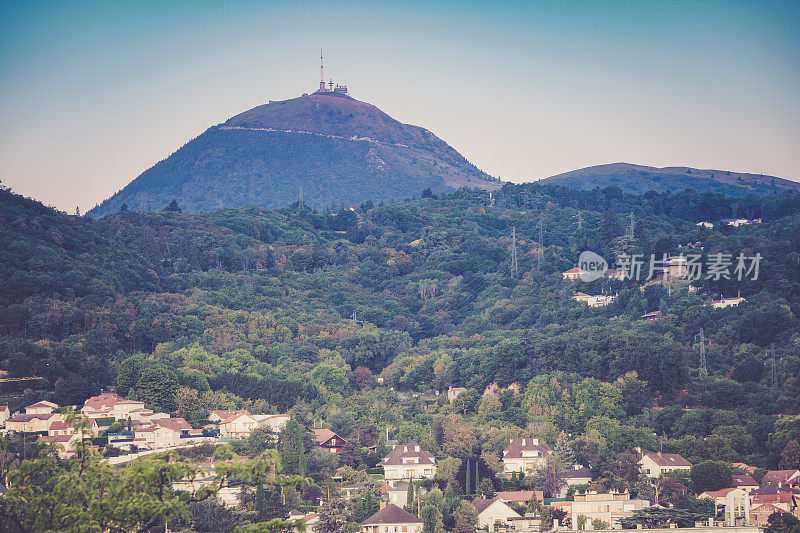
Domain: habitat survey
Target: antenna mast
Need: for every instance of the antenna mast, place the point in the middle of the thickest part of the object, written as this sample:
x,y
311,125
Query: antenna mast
x,y
321,73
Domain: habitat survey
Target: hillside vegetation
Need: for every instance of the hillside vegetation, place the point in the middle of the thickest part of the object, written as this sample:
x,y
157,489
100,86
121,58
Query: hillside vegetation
x,y
279,309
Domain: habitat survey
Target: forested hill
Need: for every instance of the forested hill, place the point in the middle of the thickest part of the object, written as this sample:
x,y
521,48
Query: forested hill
x,y
329,148
638,179
254,307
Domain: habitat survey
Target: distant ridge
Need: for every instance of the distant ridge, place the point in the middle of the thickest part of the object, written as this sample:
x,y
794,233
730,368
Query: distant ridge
x,y
638,179
333,148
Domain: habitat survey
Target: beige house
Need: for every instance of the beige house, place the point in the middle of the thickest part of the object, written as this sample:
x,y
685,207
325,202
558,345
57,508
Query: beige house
x,y
31,423
392,519
274,423
572,273
102,402
524,455
653,464
727,302
218,415
237,426
5,414
608,507
121,410
493,513
407,462
41,408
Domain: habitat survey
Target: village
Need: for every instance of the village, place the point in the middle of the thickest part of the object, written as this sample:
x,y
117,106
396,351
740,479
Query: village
x,y
407,472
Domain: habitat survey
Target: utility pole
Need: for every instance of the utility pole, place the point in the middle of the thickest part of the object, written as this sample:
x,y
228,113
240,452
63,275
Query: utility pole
x,y
700,339
514,260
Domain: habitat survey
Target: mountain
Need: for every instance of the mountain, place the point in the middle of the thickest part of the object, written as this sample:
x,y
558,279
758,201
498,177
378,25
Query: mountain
x,y
331,146
637,179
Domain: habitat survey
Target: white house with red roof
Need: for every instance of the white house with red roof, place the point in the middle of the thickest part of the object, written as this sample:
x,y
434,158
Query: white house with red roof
x,y
524,455
41,408
572,273
653,464
408,461
237,426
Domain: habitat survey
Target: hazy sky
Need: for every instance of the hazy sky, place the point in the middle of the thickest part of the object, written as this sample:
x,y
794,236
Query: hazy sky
x,y
92,94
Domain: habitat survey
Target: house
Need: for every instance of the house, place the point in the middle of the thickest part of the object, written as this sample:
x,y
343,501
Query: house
x,y
453,392
579,475
653,464
237,426
727,302
59,427
5,414
608,507
122,409
328,440
676,267
759,514
101,402
493,513
156,436
30,423
311,520
747,468
616,274
521,497
524,455
66,442
782,478
652,316
41,408
408,461
392,519
396,493
274,423
705,224
744,481
728,495
572,274
218,415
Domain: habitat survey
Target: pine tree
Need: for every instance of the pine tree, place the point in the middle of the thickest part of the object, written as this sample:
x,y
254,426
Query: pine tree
x,y
468,483
477,476
410,497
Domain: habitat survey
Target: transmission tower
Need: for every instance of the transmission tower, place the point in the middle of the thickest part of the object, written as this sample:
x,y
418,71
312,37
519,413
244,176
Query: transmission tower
x,y
514,260
630,230
700,340
580,221
773,373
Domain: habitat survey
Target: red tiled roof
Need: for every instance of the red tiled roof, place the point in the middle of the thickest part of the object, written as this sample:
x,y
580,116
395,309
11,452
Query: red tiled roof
x,y
43,404
520,496
58,424
321,436
779,476
481,504
175,424
391,514
406,451
102,400
516,447
744,480
668,459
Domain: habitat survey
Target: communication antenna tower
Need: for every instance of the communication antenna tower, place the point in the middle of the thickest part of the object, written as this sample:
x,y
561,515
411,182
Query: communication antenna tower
x,y
321,73
700,339
580,220
514,260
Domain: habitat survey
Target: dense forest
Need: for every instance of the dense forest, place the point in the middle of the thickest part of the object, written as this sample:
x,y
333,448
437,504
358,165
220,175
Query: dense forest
x,y
274,309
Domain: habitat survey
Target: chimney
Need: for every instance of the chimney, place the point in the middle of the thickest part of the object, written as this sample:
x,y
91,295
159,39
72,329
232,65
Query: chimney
x,y
383,504
523,442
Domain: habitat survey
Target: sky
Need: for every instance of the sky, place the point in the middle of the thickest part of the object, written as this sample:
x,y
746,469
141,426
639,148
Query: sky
x,y
94,93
